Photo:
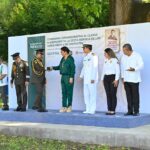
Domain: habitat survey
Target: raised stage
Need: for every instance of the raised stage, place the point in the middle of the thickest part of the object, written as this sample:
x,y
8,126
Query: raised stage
x,y
76,118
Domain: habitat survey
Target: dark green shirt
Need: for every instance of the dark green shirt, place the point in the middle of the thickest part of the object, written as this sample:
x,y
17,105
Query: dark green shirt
x,y
66,66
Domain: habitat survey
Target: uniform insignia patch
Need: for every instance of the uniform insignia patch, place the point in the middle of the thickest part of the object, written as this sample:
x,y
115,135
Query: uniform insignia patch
x,y
21,65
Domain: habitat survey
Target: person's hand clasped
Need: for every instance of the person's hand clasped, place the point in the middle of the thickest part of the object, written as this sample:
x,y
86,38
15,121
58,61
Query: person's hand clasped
x,y
71,80
49,68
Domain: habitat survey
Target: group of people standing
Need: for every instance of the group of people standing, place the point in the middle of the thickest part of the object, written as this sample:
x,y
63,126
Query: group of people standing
x,y
127,69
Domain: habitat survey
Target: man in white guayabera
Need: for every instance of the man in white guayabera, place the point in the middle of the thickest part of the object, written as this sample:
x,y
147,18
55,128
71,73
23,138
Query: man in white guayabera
x,y
131,65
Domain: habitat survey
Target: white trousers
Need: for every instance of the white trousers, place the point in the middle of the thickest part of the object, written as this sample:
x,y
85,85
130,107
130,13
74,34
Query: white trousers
x,y
90,97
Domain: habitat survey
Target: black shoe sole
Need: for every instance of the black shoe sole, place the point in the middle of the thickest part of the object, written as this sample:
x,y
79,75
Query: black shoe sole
x,y
42,110
128,114
5,109
34,108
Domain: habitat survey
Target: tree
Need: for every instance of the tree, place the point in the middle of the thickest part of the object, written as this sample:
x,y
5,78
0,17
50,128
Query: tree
x,y
19,17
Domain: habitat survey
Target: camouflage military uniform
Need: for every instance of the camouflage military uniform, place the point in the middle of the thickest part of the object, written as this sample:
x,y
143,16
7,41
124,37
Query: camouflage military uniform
x,y
39,80
20,75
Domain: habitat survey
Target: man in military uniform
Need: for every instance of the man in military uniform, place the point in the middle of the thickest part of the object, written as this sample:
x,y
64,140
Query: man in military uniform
x,y
20,77
38,79
67,71
89,74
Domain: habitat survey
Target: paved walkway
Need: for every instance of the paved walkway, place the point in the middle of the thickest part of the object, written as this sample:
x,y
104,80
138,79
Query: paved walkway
x,y
138,137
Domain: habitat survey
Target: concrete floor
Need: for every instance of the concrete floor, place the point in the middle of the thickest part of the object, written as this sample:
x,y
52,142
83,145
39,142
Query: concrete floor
x,y
138,137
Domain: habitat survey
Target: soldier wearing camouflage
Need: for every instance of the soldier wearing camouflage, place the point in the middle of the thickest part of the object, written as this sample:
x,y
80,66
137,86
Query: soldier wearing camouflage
x,y
38,79
20,77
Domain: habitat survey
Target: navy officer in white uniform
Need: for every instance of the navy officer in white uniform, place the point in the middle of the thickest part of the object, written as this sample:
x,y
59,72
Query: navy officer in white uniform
x,y
131,65
110,77
89,74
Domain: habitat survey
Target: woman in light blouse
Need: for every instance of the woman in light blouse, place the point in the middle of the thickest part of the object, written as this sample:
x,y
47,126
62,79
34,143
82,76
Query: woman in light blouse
x,y
110,77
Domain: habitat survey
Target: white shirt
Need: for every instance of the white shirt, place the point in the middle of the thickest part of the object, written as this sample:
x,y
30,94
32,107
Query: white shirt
x,y
111,66
90,68
3,71
135,61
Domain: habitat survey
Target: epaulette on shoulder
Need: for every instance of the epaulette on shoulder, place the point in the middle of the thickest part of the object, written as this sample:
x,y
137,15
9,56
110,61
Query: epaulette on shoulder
x,y
35,60
93,54
25,62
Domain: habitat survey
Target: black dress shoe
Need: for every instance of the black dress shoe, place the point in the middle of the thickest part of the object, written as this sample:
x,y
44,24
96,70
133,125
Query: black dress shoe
x,y
17,109
5,108
128,114
107,113
112,113
23,109
42,110
34,107
136,114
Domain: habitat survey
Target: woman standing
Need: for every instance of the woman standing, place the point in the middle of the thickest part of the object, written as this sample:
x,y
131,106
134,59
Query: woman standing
x,y
110,77
67,71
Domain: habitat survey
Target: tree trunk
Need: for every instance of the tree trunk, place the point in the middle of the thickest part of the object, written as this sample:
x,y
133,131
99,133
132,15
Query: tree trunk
x,y
120,11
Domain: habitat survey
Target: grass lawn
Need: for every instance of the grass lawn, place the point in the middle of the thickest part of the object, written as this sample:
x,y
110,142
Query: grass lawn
x,y
25,143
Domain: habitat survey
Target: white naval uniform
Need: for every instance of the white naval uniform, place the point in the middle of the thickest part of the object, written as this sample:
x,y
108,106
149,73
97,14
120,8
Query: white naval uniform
x,y
90,72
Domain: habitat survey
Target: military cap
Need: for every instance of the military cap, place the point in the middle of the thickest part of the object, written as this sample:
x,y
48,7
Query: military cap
x,y
40,51
87,46
15,55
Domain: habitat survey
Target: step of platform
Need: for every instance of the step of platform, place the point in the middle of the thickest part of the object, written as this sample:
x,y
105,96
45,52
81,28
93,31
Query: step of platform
x,y
77,118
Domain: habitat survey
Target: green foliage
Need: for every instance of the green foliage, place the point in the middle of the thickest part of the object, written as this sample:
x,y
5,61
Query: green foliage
x,y
36,16
20,17
146,1
25,143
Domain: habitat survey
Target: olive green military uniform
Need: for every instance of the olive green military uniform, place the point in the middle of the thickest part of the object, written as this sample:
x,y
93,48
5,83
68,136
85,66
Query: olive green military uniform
x,y
39,80
67,70
20,75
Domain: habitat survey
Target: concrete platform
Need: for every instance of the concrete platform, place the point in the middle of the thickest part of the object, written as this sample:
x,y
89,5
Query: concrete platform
x,y
76,118
134,137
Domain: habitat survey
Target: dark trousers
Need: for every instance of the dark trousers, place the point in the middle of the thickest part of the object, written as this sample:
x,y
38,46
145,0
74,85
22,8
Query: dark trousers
x,y
67,91
39,94
132,93
110,92
21,93
3,90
